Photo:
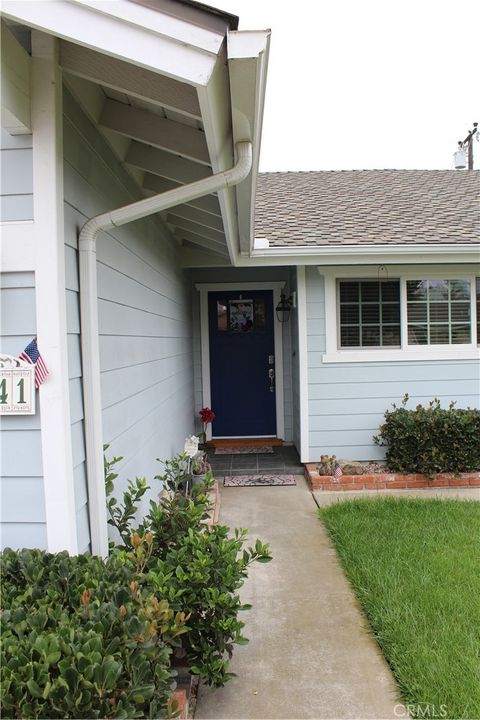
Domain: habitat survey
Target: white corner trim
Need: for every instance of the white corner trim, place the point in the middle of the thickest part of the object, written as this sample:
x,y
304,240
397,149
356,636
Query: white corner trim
x,y
276,287
303,363
406,353
48,228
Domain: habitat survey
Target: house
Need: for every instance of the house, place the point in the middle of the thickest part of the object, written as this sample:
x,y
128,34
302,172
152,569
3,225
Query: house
x,y
152,261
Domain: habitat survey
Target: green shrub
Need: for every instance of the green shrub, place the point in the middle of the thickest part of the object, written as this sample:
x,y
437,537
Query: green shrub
x,y
431,439
196,568
83,638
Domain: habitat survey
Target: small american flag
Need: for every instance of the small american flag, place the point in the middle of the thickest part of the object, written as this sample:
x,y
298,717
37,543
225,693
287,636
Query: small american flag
x,y
32,356
338,471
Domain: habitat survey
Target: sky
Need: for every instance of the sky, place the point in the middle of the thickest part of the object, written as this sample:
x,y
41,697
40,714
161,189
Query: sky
x,y
366,84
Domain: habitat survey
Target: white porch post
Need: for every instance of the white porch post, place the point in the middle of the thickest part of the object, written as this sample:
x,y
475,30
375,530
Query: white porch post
x,y
50,293
303,363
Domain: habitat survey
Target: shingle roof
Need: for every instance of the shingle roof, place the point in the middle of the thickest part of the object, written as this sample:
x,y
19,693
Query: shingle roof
x,y
368,207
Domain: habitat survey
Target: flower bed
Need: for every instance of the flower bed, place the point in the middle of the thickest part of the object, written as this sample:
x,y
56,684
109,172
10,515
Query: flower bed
x,y
387,481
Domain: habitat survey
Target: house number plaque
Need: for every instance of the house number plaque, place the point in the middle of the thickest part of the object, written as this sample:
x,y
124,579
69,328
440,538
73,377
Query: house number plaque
x,y
17,386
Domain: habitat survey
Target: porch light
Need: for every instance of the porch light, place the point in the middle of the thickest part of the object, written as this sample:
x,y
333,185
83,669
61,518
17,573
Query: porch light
x,y
284,308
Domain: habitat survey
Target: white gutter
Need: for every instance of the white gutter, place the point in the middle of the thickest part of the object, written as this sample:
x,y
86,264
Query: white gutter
x,y
87,245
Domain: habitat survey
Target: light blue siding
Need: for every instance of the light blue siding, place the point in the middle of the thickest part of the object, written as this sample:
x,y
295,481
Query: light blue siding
x,y
145,325
21,483
347,400
239,275
16,164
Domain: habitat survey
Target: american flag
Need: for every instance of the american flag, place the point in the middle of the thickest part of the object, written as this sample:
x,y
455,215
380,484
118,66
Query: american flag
x,y
32,356
338,471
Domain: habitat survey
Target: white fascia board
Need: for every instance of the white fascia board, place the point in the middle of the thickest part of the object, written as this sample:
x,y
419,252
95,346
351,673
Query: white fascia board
x,y
160,23
217,123
103,27
248,53
363,254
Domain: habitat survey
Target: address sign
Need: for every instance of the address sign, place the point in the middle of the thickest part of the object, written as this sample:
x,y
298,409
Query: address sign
x,y
17,386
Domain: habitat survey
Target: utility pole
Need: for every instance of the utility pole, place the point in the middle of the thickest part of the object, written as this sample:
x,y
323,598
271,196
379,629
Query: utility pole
x,y
468,144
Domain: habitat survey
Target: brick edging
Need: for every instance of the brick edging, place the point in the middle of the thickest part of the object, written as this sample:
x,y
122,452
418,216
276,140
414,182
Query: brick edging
x,y
387,481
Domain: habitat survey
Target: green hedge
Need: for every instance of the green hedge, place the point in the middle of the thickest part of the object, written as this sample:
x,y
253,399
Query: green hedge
x,y
83,638
431,439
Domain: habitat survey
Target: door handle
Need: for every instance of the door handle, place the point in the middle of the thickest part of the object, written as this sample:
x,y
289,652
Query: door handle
x,y
271,377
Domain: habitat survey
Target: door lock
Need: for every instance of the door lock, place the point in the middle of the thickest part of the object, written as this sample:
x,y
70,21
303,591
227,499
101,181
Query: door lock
x,y
271,377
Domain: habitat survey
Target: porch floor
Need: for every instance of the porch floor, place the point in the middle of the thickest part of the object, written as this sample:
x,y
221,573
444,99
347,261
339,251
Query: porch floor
x,y
283,460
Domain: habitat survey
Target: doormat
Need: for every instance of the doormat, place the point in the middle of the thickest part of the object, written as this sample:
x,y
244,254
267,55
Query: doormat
x,y
261,450
257,480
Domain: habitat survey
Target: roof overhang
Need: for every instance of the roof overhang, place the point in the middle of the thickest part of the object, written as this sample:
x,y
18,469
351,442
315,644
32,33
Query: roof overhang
x,y
173,90
366,255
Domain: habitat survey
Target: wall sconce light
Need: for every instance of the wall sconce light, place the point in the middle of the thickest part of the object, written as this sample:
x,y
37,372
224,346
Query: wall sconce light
x,y
285,306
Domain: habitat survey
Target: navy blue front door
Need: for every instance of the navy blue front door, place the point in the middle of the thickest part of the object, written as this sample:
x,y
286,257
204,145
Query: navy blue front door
x,y
242,363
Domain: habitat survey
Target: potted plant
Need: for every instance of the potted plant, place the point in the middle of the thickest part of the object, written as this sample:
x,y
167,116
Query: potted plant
x,y
201,468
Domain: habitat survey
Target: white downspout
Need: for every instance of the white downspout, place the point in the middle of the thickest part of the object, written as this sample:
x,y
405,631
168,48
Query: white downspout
x,y
87,245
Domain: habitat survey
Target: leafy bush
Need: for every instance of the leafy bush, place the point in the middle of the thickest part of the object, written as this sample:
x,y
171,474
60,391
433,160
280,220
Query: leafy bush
x,y
431,439
84,638
197,569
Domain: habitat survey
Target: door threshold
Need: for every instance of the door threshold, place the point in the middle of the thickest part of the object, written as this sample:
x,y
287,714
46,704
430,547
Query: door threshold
x,y
245,442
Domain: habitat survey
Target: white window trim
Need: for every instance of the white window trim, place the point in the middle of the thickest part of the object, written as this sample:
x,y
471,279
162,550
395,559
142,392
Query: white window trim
x,y
334,354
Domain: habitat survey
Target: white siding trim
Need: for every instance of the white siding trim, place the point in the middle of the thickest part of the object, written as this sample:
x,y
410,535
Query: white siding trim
x,y
276,287
50,294
303,363
407,352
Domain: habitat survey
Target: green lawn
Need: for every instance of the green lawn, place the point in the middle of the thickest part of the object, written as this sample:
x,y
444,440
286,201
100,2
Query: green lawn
x,y
415,567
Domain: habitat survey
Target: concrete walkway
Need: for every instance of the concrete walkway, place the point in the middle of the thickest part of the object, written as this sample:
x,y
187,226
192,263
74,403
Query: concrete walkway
x,y
309,655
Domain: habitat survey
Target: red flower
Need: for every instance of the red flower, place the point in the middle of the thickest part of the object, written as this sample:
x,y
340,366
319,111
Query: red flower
x,y
207,415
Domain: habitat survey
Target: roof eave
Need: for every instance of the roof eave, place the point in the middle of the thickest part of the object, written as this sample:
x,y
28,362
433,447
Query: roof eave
x,y
365,254
248,53
139,35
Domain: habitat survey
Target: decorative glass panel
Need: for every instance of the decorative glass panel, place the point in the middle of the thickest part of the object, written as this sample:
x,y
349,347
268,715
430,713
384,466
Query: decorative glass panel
x,y
259,315
221,317
369,313
438,312
241,316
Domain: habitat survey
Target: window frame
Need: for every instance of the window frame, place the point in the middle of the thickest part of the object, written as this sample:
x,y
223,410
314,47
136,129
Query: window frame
x,y
405,352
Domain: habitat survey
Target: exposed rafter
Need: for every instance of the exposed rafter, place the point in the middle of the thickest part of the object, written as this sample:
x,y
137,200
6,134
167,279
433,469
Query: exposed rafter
x,y
201,241
190,226
165,164
198,217
135,81
156,184
150,128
